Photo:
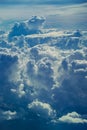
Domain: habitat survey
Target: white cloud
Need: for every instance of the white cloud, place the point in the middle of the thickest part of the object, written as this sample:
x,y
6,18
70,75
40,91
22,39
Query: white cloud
x,y
72,117
59,16
42,108
7,61
36,22
33,26
47,67
9,115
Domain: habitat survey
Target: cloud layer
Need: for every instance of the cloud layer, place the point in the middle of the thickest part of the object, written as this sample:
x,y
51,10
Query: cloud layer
x,y
72,118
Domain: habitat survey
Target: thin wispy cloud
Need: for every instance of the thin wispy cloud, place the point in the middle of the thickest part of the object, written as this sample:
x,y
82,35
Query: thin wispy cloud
x,y
41,2
68,15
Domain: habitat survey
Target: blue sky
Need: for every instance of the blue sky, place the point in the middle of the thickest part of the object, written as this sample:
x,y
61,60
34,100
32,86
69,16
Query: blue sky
x,y
41,2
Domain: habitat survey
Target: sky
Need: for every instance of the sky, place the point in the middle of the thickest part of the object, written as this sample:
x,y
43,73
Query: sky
x,y
41,2
63,17
42,60
39,77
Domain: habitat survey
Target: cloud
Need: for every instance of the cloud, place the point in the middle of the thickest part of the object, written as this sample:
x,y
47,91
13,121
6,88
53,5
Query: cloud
x,y
42,108
40,75
40,2
56,17
72,117
77,34
33,26
39,69
8,115
6,63
36,22
20,91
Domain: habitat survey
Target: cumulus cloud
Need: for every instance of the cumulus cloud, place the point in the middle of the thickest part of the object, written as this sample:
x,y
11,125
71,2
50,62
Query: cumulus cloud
x,y
32,26
19,91
6,63
42,76
42,108
19,29
9,115
36,22
77,33
40,70
72,117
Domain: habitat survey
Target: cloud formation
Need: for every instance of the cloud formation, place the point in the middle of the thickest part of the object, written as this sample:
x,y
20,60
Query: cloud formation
x,y
72,118
33,26
8,115
40,2
42,108
40,75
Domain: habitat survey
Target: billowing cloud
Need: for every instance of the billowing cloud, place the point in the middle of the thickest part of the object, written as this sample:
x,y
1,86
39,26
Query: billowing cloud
x,y
8,115
73,117
35,23
40,74
57,17
44,109
33,26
